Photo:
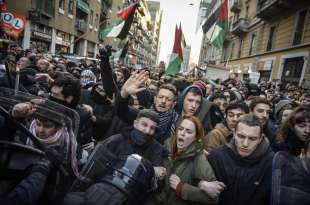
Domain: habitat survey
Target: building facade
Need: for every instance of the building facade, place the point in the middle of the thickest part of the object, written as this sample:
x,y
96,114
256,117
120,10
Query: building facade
x,y
61,26
156,17
266,41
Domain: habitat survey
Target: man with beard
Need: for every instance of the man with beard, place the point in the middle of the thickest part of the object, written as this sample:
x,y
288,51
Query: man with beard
x,y
67,91
164,102
222,133
261,108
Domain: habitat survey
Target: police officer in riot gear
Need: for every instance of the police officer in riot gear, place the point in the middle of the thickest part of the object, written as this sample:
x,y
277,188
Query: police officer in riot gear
x,y
127,182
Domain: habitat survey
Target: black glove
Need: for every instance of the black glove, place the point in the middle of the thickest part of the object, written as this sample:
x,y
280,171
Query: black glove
x,y
105,52
54,156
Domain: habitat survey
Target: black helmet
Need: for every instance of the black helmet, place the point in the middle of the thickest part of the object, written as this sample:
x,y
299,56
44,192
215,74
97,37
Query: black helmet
x,y
134,176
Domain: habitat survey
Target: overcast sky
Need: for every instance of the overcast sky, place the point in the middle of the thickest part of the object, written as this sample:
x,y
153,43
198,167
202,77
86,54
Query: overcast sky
x,y
174,12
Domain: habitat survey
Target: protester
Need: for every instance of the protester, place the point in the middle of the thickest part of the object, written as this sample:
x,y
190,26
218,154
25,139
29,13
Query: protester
x,y
244,164
222,133
262,109
186,167
295,131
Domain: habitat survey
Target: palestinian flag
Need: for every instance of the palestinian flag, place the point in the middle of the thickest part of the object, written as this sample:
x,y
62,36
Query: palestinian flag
x,y
216,27
121,25
122,52
176,58
183,41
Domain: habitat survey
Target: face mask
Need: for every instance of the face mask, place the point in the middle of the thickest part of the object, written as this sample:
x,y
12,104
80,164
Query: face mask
x,y
139,137
61,102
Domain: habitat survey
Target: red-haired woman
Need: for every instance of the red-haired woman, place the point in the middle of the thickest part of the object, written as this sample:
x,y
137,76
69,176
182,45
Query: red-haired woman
x,y
187,167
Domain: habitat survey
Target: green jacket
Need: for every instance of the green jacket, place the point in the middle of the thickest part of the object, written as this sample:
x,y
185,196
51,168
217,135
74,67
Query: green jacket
x,y
192,167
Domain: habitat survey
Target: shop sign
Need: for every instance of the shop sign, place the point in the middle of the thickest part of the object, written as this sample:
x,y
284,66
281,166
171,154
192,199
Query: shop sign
x,y
12,23
42,35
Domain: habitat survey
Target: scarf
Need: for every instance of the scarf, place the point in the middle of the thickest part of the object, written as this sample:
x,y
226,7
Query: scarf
x,y
167,122
60,138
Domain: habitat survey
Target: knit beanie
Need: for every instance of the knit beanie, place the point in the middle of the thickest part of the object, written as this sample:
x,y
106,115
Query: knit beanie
x,y
202,85
280,105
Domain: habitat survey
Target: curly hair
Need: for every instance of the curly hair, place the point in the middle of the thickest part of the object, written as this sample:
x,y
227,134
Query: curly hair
x,y
300,114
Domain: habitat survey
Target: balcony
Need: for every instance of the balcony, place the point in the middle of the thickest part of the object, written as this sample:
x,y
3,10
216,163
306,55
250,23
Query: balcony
x,y
44,7
81,25
236,6
267,9
240,26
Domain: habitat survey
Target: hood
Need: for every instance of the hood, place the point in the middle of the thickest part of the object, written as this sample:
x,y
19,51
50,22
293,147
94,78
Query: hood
x,y
180,101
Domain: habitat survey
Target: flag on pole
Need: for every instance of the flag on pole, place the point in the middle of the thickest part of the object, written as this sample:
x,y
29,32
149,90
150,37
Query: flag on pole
x,y
183,41
216,27
176,58
122,52
121,25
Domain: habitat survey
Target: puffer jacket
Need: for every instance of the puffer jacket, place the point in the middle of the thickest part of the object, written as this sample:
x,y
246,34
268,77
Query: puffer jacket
x,y
218,136
192,167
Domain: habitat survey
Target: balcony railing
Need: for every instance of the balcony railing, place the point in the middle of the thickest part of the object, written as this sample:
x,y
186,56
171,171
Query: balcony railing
x,y
45,7
240,26
267,9
81,25
236,6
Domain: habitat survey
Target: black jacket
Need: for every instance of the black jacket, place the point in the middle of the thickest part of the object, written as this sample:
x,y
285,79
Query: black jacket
x,y
290,180
85,132
98,194
107,122
28,190
121,145
247,180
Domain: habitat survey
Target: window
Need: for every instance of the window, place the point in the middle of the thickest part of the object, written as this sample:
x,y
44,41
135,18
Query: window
x,y
232,51
271,38
96,21
300,27
70,7
247,11
240,48
91,17
62,4
253,44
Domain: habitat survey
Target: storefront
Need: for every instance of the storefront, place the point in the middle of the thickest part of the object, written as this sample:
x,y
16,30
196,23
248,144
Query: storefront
x,y
265,67
90,49
62,42
41,38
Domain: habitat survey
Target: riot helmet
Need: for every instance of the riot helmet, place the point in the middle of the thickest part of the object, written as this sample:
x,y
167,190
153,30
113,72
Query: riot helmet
x,y
134,176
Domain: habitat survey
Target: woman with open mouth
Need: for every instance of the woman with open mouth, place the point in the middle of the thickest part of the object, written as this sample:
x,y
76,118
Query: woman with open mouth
x,y
187,167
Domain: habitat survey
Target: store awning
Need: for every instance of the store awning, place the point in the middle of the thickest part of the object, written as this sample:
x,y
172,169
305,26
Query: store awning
x,y
83,6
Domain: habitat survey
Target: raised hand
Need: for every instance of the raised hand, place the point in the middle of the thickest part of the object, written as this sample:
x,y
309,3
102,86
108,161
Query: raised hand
x,y
134,83
105,53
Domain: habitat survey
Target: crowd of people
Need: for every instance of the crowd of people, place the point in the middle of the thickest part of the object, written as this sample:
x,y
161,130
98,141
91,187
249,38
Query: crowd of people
x,y
117,135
